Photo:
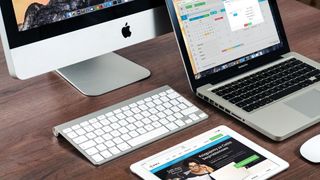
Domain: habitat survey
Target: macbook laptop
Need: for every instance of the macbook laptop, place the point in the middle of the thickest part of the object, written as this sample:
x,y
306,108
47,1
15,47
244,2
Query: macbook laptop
x,y
237,58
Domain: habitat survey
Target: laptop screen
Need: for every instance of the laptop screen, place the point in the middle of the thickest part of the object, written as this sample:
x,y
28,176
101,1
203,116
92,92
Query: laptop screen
x,y
220,34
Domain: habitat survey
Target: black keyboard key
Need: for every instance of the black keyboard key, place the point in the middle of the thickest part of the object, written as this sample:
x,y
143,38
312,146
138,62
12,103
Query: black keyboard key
x,y
271,84
228,96
236,93
235,100
285,92
241,104
248,108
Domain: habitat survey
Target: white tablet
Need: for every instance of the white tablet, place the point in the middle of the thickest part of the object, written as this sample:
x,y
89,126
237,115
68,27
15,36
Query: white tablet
x,y
220,153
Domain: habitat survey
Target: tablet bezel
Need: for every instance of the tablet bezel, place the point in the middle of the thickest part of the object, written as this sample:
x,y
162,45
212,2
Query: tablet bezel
x,y
137,168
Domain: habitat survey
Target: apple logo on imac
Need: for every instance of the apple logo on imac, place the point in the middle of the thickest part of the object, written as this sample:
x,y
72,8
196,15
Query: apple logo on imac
x,y
126,31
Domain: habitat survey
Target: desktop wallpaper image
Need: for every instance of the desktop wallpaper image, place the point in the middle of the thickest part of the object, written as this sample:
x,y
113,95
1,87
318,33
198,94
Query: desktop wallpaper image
x,y
35,13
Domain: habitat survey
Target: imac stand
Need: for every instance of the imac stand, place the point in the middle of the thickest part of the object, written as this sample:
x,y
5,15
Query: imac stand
x,y
103,74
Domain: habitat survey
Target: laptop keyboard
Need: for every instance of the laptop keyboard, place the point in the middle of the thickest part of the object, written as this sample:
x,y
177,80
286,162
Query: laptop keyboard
x,y
264,87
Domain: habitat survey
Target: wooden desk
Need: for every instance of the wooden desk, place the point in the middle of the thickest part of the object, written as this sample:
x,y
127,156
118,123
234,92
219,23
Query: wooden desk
x,y
29,109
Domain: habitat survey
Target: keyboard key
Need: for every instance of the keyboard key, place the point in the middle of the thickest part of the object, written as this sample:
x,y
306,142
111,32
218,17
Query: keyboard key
x,y
168,112
97,125
109,144
157,102
101,117
154,118
203,115
92,151
180,123
133,105
115,133
189,110
101,147
172,126
174,102
125,108
138,116
117,140
164,121
156,124
87,145
91,135
72,135
140,102
115,126
93,120
141,130
123,130
120,116
109,114
106,154
97,158
114,150
67,130
156,96
99,140
123,122
128,113
80,139
188,121
123,146
131,119
107,136
113,119
75,127
146,121
161,115
139,124
133,133
148,127
105,122
164,99
125,137
107,129
117,111
153,111
148,136
131,127
150,104
194,117
88,128
178,115
80,131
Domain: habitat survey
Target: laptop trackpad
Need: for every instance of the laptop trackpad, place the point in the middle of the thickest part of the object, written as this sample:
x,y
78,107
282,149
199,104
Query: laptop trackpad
x,y
307,103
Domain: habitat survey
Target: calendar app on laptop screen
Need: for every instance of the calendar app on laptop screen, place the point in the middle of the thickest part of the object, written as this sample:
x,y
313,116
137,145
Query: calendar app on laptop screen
x,y
223,33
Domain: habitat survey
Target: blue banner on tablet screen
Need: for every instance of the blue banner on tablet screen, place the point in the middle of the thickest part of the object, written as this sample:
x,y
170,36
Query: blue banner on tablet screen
x,y
214,157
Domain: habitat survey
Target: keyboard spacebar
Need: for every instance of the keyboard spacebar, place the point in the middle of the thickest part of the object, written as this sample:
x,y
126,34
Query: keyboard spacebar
x,y
148,136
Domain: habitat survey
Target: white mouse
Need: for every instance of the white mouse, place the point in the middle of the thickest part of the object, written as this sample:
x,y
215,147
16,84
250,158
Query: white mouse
x,y
310,150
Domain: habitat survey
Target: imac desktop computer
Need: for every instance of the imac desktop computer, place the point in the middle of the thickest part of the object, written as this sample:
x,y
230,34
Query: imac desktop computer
x,y
77,37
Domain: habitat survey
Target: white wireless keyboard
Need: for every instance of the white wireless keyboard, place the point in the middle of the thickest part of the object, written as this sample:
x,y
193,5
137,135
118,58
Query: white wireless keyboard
x,y
114,131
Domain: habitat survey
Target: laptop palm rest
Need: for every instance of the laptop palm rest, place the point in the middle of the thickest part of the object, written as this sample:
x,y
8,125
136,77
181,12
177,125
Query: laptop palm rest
x,y
307,103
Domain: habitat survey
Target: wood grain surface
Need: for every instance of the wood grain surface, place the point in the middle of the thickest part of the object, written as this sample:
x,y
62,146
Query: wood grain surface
x,y
29,109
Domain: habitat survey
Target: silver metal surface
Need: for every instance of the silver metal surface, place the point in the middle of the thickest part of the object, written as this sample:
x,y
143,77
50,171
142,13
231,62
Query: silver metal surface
x,y
58,130
103,74
277,120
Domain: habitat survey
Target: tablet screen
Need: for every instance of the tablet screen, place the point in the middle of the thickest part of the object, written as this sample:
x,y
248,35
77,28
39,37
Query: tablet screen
x,y
211,156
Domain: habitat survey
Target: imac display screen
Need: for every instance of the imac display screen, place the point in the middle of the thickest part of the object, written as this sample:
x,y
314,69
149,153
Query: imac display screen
x,y
36,13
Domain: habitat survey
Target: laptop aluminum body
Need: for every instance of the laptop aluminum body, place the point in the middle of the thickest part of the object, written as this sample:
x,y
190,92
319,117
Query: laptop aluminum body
x,y
277,120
